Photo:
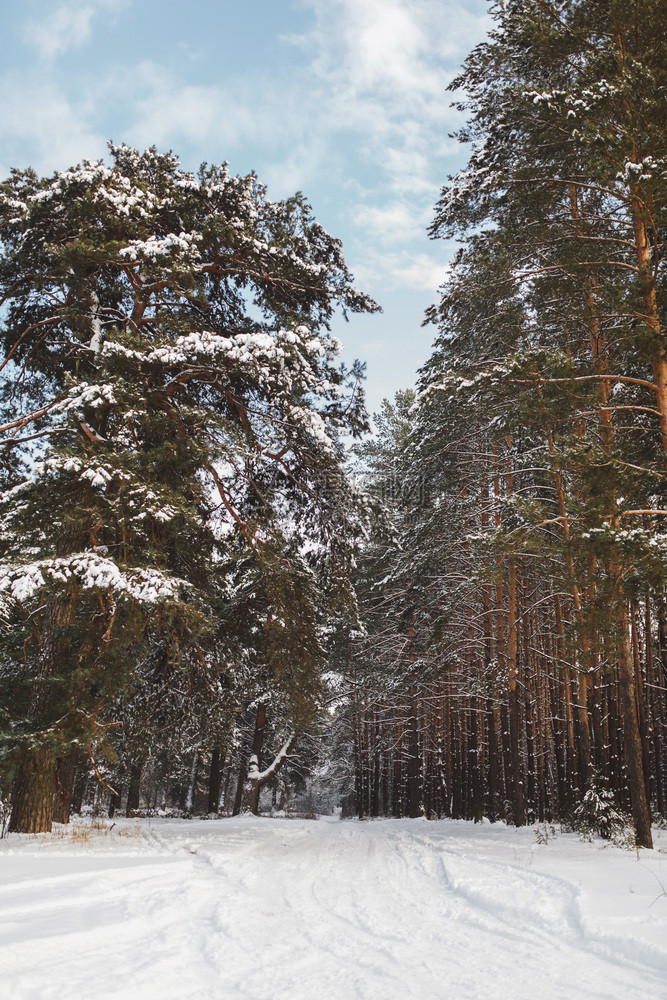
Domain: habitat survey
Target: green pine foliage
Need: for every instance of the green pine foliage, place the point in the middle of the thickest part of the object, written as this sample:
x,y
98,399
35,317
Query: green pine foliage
x,y
539,427
598,815
172,406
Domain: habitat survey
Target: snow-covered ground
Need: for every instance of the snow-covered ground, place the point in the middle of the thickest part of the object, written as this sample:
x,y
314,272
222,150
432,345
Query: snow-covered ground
x,y
301,910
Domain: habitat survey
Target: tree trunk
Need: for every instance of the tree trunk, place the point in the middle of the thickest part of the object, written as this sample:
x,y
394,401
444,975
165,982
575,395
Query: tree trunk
x,y
584,729
33,794
80,786
413,769
65,775
253,798
651,309
215,774
256,755
633,743
114,802
517,768
496,788
134,790
238,799
190,797
228,777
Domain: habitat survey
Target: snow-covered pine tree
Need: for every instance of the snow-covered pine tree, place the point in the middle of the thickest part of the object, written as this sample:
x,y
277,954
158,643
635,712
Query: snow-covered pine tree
x,y
539,554
386,668
563,288
170,378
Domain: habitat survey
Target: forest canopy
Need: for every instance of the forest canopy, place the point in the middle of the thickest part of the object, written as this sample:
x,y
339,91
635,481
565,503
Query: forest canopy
x,y
209,595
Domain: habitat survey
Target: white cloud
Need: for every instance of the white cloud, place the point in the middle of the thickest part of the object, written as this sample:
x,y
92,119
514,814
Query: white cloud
x,y
162,109
385,64
291,173
393,222
421,272
384,43
40,127
404,269
67,27
363,113
379,71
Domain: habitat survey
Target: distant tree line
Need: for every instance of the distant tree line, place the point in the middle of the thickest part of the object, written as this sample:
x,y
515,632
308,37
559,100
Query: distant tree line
x,y
515,644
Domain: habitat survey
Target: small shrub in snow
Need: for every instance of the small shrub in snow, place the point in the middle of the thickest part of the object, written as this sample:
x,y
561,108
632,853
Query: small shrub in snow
x,y
597,815
544,833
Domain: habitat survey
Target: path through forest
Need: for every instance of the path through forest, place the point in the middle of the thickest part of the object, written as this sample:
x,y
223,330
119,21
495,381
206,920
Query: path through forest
x,y
301,910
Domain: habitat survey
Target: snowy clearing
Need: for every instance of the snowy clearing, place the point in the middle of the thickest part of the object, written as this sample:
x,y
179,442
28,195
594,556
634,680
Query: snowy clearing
x,y
294,909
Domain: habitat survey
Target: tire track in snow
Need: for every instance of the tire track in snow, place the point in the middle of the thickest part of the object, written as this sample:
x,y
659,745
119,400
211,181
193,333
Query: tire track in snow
x,y
544,901
254,909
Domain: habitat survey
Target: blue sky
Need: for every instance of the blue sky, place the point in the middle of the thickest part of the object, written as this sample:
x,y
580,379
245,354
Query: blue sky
x,y
342,99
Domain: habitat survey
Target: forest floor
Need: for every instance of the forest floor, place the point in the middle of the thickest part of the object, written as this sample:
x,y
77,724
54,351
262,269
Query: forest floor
x,y
273,909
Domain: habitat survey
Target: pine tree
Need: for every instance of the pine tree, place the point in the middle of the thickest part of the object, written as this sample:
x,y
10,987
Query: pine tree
x,y
171,379
539,427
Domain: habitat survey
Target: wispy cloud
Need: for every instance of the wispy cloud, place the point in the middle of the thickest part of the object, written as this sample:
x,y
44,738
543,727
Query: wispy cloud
x,y
421,272
363,111
393,221
378,71
40,126
163,108
67,26
403,268
380,68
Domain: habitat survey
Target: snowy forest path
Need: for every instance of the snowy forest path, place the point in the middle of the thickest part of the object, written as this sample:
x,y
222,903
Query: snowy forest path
x,y
261,909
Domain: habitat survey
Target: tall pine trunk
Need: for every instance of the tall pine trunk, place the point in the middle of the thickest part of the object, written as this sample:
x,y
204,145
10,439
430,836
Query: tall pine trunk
x,y
634,758
257,747
65,775
515,720
33,794
414,803
134,790
215,775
